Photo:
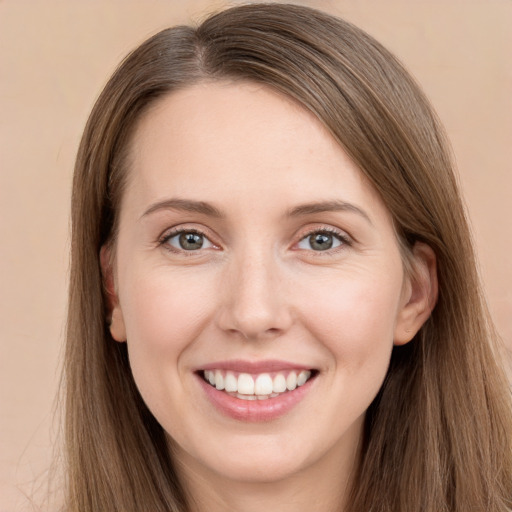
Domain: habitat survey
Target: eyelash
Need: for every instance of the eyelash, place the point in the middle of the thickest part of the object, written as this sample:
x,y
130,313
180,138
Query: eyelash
x,y
344,240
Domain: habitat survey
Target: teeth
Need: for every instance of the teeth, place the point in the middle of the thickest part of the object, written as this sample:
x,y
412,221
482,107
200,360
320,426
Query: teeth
x,y
230,383
245,384
279,383
291,381
246,397
263,384
219,379
262,387
211,377
301,379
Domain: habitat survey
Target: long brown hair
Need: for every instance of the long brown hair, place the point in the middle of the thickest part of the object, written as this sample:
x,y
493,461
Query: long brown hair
x,y
438,436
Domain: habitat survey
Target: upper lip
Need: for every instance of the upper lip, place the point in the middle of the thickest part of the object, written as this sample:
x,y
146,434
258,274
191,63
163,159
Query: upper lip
x,y
244,366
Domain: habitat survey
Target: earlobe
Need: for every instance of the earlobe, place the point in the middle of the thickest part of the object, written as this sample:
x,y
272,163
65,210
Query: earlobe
x,y
420,297
117,328
115,315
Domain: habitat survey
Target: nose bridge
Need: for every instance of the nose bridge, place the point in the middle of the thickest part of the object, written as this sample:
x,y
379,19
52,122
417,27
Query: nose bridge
x,y
254,303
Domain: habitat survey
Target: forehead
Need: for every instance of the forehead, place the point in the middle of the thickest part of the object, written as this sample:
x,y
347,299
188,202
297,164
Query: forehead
x,y
217,141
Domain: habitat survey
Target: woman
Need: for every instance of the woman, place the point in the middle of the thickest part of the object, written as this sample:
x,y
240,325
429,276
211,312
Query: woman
x,y
273,297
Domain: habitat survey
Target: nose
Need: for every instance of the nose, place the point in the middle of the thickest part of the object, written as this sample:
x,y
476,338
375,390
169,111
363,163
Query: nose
x,y
254,302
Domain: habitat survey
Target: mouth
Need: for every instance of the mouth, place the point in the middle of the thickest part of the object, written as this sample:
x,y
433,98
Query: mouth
x,y
257,386
256,391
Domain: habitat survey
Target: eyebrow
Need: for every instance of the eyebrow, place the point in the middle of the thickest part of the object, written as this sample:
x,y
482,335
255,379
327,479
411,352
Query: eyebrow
x,y
185,205
202,207
327,206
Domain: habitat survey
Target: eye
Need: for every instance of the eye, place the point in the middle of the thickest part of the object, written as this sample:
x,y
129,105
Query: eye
x,y
322,241
189,240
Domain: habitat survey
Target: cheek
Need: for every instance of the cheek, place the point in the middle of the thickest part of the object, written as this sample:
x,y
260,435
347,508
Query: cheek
x,y
164,312
356,319
353,322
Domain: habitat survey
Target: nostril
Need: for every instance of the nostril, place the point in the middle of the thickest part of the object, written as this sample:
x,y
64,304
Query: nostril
x,y
253,334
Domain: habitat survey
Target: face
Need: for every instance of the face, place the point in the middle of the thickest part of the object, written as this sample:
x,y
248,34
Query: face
x,y
258,284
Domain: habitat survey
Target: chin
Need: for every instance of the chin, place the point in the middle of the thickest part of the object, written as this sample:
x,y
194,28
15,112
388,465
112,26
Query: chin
x,y
253,459
252,468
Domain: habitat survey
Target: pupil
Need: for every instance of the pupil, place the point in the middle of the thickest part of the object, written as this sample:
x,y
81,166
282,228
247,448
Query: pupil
x,y
320,241
191,241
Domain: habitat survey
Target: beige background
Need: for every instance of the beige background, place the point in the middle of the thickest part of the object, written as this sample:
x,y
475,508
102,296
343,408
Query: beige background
x,y
54,58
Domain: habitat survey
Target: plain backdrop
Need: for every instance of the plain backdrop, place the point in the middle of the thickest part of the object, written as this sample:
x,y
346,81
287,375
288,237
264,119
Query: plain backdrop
x,y
55,56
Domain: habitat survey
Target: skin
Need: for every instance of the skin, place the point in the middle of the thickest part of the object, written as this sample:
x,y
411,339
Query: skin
x,y
258,290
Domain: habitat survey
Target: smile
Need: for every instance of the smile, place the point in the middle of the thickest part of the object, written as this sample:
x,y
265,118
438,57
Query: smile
x,y
255,391
263,386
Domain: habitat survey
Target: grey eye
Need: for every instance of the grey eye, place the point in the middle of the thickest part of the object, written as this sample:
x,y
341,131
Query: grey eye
x,y
320,241
189,241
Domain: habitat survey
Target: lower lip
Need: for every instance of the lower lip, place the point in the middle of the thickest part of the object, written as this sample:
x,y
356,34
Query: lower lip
x,y
255,410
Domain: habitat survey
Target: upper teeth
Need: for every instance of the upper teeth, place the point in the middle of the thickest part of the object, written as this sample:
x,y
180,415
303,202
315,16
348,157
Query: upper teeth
x,y
261,385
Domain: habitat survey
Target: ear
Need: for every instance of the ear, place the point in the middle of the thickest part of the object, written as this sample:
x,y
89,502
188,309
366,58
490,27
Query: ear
x,y
115,314
419,294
